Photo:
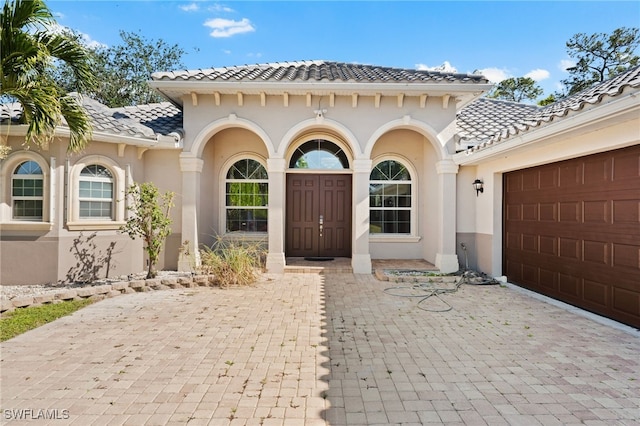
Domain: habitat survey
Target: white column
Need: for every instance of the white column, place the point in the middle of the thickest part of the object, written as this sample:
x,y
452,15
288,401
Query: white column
x,y
446,257
191,168
277,187
360,257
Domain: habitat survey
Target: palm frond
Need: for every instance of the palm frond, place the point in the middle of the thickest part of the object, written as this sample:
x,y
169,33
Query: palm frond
x,y
78,121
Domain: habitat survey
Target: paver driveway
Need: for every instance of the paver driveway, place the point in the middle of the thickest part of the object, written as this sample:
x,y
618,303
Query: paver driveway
x,y
322,349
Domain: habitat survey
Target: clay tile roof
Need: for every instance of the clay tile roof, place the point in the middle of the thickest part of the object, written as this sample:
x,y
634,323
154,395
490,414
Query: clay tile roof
x,y
10,112
142,121
303,71
483,119
486,122
163,118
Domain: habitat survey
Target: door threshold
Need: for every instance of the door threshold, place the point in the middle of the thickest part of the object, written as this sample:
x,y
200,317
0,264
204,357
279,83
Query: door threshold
x,y
303,265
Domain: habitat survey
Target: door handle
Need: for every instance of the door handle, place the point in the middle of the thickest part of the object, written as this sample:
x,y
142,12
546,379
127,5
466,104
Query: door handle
x,y
321,224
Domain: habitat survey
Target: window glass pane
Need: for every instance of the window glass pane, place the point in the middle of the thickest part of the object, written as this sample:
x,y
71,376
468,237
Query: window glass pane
x,y
18,187
27,209
389,200
390,170
247,169
96,184
95,209
28,168
248,220
27,191
96,170
319,154
246,197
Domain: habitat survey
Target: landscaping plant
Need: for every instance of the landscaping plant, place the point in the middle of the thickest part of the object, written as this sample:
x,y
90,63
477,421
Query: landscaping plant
x,y
232,262
150,220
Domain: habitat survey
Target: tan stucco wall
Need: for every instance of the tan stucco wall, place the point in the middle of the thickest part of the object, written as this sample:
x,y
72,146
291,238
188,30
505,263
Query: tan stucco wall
x,y
51,248
220,152
417,152
278,121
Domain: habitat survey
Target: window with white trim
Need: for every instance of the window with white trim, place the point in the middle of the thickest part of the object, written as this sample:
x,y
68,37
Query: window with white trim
x,y
27,191
246,196
390,198
95,193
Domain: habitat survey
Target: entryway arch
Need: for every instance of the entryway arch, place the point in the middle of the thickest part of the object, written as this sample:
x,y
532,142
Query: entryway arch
x,y
318,197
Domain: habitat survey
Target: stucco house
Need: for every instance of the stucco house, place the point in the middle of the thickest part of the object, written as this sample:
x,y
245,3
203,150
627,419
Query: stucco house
x,y
325,159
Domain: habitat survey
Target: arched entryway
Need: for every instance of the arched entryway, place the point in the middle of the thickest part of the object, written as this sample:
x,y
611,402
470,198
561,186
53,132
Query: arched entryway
x,y
318,200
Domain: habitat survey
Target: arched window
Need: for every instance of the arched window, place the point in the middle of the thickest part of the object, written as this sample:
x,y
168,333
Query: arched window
x,y
95,193
390,198
27,191
247,196
319,154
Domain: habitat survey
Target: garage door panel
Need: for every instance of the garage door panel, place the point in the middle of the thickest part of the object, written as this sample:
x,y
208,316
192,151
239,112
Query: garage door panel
x,y
549,280
626,167
514,212
513,269
548,212
626,302
548,245
513,183
530,180
596,212
569,248
530,212
572,231
569,286
548,178
570,175
513,240
570,212
529,274
596,252
627,256
626,211
530,243
597,171
596,293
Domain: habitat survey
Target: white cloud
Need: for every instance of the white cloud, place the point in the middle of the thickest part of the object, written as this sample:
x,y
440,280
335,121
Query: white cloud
x,y
444,67
495,75
84,38
566,63
191,7
220,8
226,52
228,27
538,74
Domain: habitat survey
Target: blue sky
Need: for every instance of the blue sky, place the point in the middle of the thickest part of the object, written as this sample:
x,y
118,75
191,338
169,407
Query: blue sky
x,y
501,39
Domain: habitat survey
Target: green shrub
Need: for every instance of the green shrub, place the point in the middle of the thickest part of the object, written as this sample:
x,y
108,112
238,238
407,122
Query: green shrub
x,y
233,262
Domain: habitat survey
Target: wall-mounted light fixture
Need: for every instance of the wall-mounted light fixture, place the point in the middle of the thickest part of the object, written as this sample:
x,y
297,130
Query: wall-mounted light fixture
x,y
478,186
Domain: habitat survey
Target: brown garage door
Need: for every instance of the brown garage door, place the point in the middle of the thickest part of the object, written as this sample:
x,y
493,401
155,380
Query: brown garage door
x,y
572,232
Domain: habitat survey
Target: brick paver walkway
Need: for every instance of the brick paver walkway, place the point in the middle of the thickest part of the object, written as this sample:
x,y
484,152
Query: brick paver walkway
x,y
304,349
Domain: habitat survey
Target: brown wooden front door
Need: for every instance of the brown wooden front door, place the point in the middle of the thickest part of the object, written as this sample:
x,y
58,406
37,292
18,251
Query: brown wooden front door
x,y
318,215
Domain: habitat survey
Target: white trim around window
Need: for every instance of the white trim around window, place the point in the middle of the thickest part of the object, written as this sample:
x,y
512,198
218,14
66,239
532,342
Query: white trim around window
x,y
223,192
103,186
42,197
413,234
